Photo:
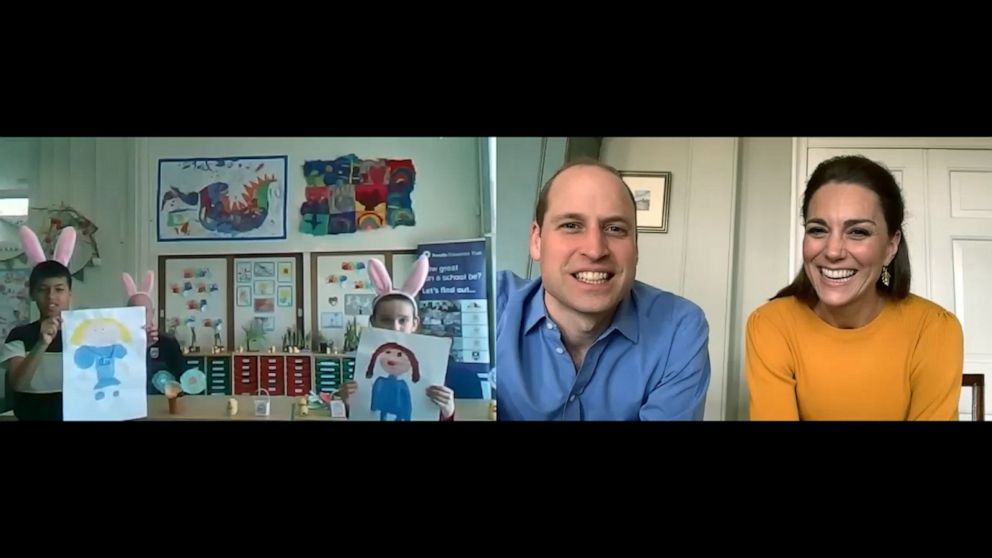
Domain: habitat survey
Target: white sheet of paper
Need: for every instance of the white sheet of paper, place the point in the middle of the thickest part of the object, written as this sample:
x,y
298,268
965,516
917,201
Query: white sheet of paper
x,y
103,364
386,389
338,409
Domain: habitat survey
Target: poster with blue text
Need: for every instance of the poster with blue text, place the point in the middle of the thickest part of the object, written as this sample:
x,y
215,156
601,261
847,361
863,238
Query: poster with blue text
x,y
454,303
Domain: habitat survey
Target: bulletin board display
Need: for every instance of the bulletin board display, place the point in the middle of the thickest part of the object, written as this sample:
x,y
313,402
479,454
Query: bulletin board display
x,y
342,293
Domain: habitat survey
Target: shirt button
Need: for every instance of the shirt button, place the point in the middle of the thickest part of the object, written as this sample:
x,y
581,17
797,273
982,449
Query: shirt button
x,y
571,398
559,350
551,325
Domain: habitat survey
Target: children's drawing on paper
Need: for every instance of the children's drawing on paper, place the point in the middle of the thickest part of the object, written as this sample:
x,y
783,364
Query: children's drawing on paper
x,y
244,295
393,371
104,364
243,272
338,294
285,297
203,292
232,198
99,346
390,393
265,288
358,304
285,272
265,305
265,269
330,320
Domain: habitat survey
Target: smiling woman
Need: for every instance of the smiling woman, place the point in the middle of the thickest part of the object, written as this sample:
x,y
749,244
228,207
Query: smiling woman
x,y
846,340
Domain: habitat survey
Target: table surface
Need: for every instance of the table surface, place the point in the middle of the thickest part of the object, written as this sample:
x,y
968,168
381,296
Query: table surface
x,y
282,408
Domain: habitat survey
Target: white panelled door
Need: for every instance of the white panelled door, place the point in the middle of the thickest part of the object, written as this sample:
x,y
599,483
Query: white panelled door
x,y
960,195
948,195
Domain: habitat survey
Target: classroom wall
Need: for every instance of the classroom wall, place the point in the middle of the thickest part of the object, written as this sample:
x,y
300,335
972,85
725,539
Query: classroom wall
x,y
446,198
113,181
93,176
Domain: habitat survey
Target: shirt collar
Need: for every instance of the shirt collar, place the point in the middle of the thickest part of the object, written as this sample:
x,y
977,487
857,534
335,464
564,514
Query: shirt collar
x,y
625,320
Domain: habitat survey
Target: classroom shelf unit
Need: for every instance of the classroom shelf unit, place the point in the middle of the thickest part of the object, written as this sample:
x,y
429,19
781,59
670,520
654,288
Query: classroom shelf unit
x,y
295,374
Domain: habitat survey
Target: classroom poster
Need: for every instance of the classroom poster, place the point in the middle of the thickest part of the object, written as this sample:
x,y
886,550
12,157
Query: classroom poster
x,y
344,295
454,304
196,300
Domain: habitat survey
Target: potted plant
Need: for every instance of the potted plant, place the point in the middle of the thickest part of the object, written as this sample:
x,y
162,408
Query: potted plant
x,y
254,335
352,334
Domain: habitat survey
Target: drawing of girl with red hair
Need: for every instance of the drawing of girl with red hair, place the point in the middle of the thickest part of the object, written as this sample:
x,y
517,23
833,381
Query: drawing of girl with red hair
x,y
390,393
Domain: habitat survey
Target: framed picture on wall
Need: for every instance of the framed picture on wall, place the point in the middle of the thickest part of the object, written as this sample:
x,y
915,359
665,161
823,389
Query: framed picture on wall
x,y
285,272
652,192
228,198
244,297
285,297
265,305
244,272
265,288
265,269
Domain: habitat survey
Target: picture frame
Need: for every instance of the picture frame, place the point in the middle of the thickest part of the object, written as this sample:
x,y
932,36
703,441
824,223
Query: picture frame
x,y
285,296
243,272
265,270
652,192
243,297
285,272
252,188
265,287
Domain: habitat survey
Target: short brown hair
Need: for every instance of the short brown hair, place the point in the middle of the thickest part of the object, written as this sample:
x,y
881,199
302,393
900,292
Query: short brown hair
x,y
542,199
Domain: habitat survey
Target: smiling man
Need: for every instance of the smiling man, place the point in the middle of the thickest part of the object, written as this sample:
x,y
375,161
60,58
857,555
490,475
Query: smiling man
x,y
587,341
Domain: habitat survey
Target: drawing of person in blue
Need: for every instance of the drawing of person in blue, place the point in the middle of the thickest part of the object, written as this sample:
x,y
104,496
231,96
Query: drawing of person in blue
x,y
390,393
99,345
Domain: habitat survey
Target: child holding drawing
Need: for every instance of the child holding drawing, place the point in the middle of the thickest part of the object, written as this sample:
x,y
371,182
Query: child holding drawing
x,y
31,356
396,309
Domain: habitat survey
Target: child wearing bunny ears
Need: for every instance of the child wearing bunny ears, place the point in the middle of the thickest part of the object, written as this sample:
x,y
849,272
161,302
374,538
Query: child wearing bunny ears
x,y
396,309
31,354
164,352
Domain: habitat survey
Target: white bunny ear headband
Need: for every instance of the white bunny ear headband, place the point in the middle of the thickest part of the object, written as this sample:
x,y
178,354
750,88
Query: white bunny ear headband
x,y
146,285
383,284
64,246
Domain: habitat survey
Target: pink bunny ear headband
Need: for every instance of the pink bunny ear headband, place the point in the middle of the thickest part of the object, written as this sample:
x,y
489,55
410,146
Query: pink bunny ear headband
x,y
383,285
146,285
64,246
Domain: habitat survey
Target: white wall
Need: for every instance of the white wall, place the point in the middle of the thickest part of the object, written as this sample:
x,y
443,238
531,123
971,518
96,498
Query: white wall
x,y
762,247
20,165
20,161
446,197
523,165
694,258
91,175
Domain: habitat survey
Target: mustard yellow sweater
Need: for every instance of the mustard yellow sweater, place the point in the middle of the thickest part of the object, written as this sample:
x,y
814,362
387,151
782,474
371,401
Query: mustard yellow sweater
x,y
906,364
